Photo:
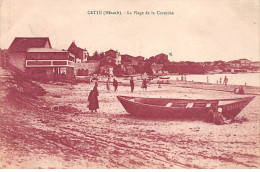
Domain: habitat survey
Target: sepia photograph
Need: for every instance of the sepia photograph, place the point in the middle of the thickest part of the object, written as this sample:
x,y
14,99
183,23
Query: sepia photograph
x,y
124,84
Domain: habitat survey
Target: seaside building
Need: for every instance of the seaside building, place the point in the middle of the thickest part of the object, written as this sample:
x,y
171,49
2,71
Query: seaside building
x,y
19,47
244,62
112,56
255,64
35,57
132,65
109,62
157,69
50,64
161,58
81,55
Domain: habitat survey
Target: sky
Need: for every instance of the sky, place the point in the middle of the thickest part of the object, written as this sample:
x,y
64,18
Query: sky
x,y
199,30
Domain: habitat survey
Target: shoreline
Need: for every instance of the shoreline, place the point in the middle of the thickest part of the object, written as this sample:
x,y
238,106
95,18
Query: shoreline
x,y
249,90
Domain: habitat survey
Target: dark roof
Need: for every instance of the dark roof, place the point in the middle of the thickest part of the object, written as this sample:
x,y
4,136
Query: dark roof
x,y
162,54
73,47
24,43
108,51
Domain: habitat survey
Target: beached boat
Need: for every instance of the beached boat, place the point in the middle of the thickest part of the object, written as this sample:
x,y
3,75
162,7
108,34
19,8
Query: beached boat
x,y
182,108
164,77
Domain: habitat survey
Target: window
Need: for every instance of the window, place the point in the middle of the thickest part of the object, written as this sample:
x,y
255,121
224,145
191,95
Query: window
x,y
63,70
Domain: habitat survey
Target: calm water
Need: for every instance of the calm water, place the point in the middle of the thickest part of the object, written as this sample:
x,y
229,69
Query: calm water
x,y
251,79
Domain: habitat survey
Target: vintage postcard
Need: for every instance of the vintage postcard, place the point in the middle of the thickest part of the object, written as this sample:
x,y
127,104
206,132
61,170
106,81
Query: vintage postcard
x,y
124,84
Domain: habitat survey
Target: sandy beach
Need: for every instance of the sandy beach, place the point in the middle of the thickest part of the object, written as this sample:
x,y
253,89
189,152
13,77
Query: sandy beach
x,y
57,130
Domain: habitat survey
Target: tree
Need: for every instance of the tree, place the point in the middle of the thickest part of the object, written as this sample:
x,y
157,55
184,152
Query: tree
x,y
148,68
117,70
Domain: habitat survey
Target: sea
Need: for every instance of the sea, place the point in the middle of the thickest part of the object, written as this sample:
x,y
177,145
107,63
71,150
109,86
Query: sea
x,y
249,79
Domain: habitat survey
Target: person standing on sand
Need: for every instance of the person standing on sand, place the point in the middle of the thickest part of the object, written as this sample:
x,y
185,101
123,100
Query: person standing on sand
x,y
115,84
144,84
93,99
225,81
108,84
220,79
132,84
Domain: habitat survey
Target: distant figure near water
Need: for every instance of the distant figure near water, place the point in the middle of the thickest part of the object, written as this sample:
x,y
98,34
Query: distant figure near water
x,y
225,80
108,84
93,99
115,84
132,85
220,80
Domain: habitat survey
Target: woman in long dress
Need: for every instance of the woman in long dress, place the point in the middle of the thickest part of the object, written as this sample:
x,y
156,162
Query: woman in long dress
x,y
93,99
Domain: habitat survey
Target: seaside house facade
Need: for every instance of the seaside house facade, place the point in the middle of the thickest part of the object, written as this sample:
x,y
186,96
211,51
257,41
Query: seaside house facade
x,y
81,55
131,65
244,62
50,64
19,47
35,57
110,60
161,58
157,69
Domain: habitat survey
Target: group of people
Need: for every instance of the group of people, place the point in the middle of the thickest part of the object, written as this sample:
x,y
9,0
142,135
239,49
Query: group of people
x,y
225,80
115,84
93,95
183,78
132,85
215,116
239,90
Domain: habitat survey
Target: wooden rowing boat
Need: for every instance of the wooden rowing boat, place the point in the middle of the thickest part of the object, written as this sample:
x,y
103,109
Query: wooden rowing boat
x,y
182,108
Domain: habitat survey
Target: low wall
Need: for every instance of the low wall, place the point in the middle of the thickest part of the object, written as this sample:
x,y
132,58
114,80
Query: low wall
x,y
92,67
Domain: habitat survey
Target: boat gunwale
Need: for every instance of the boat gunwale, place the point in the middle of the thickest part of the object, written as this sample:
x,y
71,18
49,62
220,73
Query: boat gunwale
x,y
143,104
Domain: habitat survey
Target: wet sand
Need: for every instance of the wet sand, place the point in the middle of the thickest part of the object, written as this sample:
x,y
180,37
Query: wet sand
x,y
111,138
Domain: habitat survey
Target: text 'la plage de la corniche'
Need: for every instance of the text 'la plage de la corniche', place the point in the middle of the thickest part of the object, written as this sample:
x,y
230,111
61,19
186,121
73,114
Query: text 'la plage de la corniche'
x,y
138,13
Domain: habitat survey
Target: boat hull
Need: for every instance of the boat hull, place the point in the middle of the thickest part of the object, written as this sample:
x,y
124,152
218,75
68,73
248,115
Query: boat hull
x,y
138,108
